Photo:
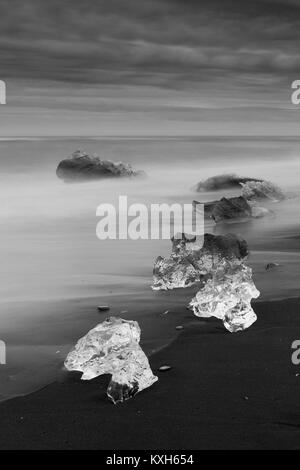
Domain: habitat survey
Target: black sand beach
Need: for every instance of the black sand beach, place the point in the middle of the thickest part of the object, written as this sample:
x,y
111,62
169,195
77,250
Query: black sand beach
x,y
224,391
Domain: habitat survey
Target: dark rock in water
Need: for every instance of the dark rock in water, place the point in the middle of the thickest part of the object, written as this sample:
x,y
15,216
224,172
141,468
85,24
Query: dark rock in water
x,y
260,190
208,207
233,208
103,308
190,263
228,246
222,182
271,266
81,167
228,209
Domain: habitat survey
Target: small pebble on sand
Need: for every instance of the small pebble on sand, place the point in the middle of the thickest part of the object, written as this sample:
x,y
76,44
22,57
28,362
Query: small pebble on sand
x,y
271,266
103,308
164,368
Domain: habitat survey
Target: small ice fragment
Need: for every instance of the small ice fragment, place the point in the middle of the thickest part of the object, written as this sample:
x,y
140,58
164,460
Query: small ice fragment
x,y
258,212
258,190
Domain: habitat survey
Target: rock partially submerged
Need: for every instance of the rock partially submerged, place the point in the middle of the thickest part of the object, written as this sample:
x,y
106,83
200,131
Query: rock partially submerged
x,y
112,347
189,263
82,166
218,182
227,296
262,190
233,209
228,209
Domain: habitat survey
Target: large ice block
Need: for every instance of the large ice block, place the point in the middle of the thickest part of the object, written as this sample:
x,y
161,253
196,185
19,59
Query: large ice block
x,y
227,296
112,347
190,263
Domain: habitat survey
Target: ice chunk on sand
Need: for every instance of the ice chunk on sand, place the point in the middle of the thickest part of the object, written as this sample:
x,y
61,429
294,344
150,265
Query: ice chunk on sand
x,y
189,263
112,347
227,296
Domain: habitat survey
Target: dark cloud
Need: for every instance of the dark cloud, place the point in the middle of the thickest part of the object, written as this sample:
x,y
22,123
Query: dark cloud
x,y
164,43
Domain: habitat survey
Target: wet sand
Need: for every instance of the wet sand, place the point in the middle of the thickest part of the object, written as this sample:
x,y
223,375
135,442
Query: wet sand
x,y
224,391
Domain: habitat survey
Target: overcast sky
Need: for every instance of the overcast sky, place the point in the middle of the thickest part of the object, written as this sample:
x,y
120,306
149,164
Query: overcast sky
x,y
148,67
